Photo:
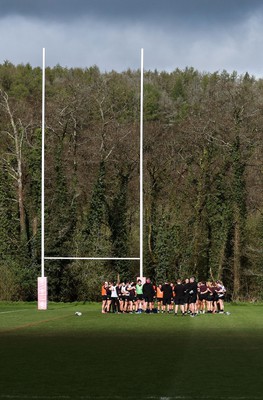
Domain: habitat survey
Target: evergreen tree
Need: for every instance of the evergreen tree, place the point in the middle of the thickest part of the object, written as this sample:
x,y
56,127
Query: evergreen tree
x,y
239,215
95,231
118,224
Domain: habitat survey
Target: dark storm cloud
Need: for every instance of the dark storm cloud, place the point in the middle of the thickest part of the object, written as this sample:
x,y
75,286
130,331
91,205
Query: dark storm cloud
x,y
191,11
210,35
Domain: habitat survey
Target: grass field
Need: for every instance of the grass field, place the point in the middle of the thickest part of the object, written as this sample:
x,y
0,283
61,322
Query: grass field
x,y
55,355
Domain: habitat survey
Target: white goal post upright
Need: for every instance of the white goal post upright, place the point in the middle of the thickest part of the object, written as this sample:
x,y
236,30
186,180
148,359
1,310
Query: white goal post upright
x,y
43,170
141,170
42,281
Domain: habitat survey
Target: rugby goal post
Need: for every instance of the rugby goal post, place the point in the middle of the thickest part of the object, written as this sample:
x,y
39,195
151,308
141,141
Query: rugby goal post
x,y
42,280
42,292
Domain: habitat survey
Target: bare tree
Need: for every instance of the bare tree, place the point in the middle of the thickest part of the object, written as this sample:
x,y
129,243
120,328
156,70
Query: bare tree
x,y
14,158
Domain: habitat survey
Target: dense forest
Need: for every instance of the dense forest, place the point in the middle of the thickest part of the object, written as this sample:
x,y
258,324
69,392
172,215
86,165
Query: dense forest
x,y
203,179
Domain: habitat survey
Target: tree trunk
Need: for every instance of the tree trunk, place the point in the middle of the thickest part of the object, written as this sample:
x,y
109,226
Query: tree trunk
x,y
22,217
17,136
237,257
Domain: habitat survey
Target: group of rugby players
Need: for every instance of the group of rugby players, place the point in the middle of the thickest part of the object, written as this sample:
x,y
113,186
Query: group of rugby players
x,y
189,296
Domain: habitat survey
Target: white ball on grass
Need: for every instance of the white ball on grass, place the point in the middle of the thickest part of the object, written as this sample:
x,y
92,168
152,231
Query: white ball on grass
x,y
78,313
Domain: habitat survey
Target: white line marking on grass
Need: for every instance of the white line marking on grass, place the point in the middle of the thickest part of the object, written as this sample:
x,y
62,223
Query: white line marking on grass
x,y
10,396
30,325
14,311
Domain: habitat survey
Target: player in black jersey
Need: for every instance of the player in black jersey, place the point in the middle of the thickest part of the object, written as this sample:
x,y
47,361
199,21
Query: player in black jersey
x,y
186,295
179,297
167,296
193,296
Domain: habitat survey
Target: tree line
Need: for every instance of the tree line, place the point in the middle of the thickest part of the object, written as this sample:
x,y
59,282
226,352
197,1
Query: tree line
x,y
203,179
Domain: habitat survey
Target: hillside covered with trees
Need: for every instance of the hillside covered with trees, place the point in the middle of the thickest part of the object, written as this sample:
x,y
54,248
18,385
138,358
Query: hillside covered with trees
x,y
203,179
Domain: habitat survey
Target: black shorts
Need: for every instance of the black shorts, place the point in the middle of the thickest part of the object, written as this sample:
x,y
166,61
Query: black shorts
x,y
186,299
192,299
108,297
159,299
131,298
202,296
179,301
148,299
104,297
139,296
210,298
221,297
166,301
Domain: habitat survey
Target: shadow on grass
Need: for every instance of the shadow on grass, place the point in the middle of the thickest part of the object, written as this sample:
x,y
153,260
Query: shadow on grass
x,y
193,364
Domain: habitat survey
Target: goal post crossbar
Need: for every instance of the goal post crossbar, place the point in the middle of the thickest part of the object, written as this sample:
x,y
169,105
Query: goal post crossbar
x,y
92,258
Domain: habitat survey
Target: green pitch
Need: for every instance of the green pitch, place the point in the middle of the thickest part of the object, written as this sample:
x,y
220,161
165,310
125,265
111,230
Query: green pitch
x,y
54,354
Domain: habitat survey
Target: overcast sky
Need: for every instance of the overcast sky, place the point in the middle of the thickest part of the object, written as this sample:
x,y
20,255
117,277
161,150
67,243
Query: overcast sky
x,y
209,35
